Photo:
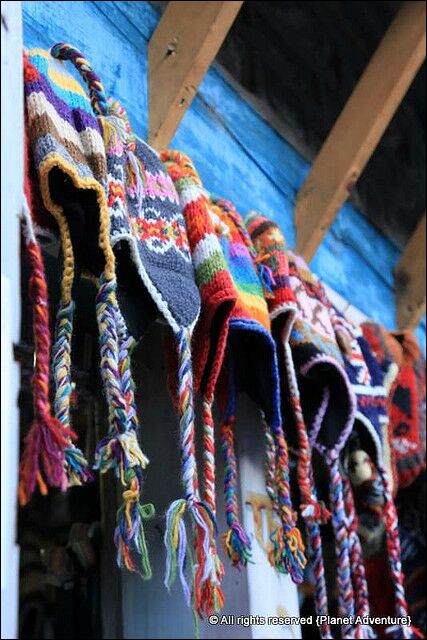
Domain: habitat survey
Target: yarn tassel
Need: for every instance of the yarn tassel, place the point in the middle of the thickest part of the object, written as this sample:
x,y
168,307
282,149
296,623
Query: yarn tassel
x,y
361,631
212,594
120,449
394,557
76,466
236,542
45,442
201,517
287,555
342,546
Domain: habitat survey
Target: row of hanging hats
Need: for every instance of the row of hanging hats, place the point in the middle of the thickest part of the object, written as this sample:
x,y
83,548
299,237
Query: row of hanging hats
x,y
244,314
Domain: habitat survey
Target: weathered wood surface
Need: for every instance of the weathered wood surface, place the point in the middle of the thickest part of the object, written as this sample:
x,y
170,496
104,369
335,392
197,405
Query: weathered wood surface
x,y
411,279
180,52
360,126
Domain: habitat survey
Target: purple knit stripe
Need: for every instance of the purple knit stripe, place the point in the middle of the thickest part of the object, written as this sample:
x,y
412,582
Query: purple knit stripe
x,y
77,117
281,281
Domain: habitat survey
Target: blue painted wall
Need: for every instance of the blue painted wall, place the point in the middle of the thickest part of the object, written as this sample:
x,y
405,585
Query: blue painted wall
x,y
237,153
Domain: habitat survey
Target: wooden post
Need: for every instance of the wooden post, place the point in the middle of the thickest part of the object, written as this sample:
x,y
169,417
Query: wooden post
x,y
12,156
360,126
411,279
180,51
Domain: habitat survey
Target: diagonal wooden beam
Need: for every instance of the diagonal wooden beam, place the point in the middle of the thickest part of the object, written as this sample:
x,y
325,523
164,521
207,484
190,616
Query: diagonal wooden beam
x,y
410,275
180,51
360,126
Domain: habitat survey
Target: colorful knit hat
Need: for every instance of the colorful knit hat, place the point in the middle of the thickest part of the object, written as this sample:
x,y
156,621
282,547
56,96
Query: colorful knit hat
x,y
146,221
328,404
252,367
366,378
271,248
408,411
218,296
69,159
68,148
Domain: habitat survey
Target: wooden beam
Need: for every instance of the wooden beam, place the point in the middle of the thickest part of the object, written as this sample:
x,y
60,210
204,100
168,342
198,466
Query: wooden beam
x,y
180,51
360,126
410,276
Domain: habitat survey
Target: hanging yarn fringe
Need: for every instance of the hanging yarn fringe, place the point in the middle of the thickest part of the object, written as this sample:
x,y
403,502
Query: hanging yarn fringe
x,y
47,438
120,449
205,570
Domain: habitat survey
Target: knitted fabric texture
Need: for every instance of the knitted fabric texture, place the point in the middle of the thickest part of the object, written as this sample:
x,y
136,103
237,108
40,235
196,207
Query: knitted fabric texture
x,y
147,220
271,248
328,404
366,378
408,413
252,367
218,297
68,153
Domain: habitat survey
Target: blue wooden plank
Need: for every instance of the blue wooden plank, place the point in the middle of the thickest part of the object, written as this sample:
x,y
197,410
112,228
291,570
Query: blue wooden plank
x,y
235,150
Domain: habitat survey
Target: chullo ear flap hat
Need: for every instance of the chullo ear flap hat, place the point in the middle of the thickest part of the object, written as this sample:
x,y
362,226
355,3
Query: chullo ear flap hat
x,y
69,155
252,367
147,220
328,404
270,245
69,159
218,296
366,378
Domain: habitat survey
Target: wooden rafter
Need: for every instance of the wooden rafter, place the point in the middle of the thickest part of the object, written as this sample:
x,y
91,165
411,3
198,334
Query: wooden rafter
x,y
410,276
360,126
180,51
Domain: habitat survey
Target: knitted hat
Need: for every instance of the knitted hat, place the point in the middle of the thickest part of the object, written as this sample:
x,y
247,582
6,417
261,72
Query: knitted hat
x,y
148,225
69,154
271,248
252,367
408,412
328,404
366,379
69,159
218,296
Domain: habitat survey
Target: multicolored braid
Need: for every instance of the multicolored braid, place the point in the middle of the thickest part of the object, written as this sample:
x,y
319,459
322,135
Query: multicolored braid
x,y
96,89
394,556
47,438
201,517
361,631
342,543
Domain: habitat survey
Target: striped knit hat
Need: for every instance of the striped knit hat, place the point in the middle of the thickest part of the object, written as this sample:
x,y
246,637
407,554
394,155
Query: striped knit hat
x,y
366,378
271,248
148,226
252,367
68,155
218,296
328,404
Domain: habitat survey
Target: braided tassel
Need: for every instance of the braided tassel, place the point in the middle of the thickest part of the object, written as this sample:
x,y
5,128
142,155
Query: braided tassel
x,y
120,450
287,554
201,517
46,439
76,466
98,100
342,546
212,594
394,556
361,631
235,541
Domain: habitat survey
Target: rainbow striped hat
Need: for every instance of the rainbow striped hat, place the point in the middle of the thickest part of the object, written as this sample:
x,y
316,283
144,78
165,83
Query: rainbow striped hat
x,y
252,367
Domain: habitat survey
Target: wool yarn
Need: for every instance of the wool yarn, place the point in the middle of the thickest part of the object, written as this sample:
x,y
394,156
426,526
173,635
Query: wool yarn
x,y
218,296
257,374
271,252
